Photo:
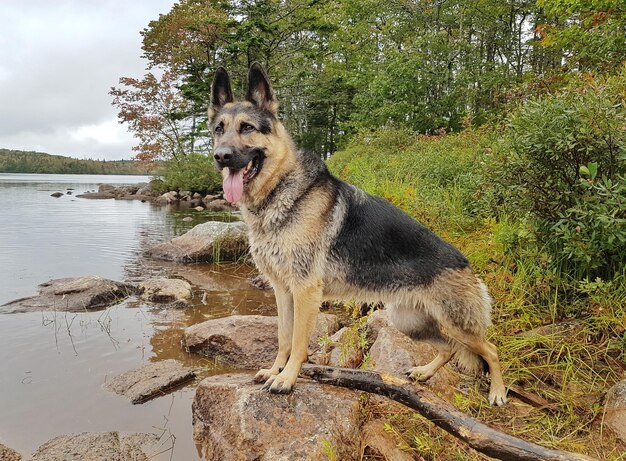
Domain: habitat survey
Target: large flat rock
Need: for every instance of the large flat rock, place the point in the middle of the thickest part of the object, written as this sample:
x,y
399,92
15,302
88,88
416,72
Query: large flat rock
x,y
150,381
246,341
73,294
174,292
234,420
99,446
207,242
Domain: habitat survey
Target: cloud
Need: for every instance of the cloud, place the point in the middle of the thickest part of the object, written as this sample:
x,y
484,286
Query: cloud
x,y
58,61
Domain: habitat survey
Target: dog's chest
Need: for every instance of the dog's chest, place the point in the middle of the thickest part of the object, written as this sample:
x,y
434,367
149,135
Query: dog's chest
x,y
281,251
270,252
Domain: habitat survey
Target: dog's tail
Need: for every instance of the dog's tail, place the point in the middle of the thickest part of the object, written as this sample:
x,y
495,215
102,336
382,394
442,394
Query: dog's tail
x,y
469,361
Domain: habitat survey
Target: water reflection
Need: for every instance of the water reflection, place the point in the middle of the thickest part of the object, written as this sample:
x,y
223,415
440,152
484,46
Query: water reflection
x,y
53,363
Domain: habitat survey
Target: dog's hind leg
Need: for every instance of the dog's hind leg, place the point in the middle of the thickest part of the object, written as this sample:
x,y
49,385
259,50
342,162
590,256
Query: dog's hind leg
x,y
425,372
284,303
488,352
307,302
420,326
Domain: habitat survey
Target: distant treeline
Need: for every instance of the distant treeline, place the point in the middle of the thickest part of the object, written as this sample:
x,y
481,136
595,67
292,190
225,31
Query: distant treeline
x,y
16,161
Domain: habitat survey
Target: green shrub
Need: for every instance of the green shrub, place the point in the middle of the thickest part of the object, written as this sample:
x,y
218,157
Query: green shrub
x,y
158,186
193,172
592,233
561,164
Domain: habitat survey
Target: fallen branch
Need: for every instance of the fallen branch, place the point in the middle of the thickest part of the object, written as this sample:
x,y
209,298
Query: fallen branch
x,y
477,435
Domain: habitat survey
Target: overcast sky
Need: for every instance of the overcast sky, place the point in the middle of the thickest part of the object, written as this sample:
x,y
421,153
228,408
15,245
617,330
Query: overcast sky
x,y
58,60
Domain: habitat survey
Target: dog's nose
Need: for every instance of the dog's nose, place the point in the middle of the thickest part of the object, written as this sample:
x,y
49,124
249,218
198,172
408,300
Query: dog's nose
x,y
222,155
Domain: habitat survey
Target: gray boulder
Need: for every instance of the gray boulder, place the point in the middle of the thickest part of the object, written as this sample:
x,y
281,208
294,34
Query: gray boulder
x,y
145,190
168,198
234,420
150,381
73,294
99,446
207,242
106,188
394,353
615,410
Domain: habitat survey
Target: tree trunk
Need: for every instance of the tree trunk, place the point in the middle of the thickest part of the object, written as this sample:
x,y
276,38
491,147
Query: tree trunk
x,y
477,435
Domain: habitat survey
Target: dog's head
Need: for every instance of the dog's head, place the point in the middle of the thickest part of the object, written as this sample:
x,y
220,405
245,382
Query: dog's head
x,y
251,147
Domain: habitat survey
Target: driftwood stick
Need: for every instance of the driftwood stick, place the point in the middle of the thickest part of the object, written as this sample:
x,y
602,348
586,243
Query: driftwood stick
x,y
477,435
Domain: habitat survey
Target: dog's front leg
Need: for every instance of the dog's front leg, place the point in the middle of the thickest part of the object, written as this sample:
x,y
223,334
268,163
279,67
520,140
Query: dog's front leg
x,y
284,303
306,306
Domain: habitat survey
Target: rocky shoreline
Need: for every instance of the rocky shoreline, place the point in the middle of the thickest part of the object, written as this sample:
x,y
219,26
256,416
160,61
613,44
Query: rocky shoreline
x,y
143,192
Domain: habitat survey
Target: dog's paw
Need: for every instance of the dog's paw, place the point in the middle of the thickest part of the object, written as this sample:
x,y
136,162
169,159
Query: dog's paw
x,y
278,384
264,374
497,397
419,373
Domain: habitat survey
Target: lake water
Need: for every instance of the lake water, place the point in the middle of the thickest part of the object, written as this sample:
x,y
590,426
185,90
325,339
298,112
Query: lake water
x,y
53,365
42,237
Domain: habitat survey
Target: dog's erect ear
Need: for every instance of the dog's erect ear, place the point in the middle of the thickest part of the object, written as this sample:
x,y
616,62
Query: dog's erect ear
x,y
221,93
260,91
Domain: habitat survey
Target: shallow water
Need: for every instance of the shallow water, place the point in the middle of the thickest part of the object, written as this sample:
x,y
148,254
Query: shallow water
x,y
54,364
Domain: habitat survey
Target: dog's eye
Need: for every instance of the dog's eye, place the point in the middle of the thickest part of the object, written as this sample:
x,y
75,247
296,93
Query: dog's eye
x,y
219,129
246,128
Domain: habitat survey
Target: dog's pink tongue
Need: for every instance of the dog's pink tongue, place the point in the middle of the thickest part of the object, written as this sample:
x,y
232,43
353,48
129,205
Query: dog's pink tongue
x,y
233,186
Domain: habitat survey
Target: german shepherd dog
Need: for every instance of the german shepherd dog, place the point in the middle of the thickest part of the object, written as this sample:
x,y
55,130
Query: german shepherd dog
x,y
318,238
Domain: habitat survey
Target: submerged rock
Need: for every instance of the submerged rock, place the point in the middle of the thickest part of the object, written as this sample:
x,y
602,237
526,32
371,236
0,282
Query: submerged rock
x,y
615,410
150,381
99,446
8,454
73,294
235,420
166,291
247,341
207,242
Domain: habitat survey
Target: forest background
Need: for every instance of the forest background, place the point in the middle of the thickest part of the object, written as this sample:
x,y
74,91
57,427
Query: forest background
x,y
501,124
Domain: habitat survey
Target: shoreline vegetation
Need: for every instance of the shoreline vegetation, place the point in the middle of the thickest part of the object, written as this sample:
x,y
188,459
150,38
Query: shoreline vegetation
x,y
18,161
